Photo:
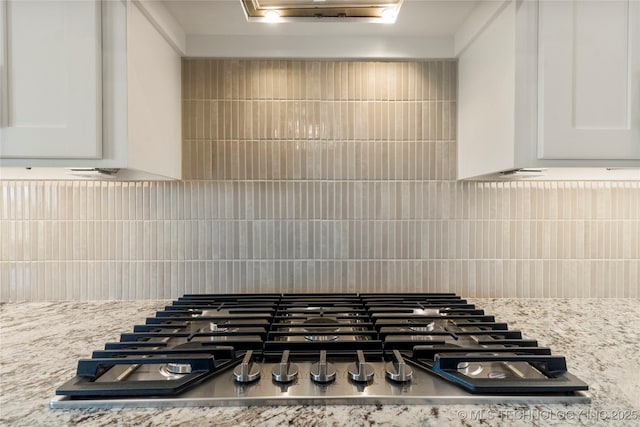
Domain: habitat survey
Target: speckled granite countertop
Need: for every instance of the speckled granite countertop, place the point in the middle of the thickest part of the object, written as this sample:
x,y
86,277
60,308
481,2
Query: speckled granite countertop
x,y
601,339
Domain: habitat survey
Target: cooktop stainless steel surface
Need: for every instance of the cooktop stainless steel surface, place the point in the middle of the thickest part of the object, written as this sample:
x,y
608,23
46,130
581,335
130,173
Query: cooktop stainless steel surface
x,y
318,349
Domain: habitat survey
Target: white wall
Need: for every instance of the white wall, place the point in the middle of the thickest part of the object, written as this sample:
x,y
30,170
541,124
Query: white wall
x,y
326,47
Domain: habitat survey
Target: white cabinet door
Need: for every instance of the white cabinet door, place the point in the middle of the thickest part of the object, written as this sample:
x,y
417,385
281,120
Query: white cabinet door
x,y
589,80
51,79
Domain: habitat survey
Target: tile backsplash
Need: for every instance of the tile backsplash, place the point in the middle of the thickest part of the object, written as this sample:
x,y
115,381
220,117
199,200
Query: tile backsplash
x,y
306,176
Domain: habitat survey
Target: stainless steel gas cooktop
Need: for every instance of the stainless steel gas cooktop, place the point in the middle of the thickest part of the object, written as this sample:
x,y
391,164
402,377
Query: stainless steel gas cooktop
x,y
212,350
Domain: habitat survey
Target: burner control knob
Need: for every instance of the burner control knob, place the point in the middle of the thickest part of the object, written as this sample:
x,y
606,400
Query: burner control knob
x,y
286,371
322,371
397,370
361,371
247,371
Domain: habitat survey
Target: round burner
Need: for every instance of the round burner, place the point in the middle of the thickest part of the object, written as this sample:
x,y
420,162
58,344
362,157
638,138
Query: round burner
x,y
469,369
321,337
497,375
174,371
215,327
318,333
429,327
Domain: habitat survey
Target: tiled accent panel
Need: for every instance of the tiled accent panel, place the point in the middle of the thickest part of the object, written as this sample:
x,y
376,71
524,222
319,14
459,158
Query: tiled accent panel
x,y
318,176
301,120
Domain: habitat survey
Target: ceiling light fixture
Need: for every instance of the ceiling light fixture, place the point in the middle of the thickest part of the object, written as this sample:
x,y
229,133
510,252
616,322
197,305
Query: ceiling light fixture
x,y
389,15
272,16
369,11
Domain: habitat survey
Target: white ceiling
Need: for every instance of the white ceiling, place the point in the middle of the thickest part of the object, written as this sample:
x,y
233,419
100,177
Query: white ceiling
x,y
417,18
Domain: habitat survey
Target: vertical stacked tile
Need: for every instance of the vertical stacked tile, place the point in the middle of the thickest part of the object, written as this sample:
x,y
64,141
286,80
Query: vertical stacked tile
x,y
325,161
318,176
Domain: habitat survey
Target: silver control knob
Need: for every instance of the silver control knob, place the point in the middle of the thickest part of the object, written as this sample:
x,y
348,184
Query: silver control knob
x,y
247,371
361,371
397,370
322,371
286,371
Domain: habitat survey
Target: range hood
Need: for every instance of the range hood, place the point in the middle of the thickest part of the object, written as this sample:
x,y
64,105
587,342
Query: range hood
x,y
382,11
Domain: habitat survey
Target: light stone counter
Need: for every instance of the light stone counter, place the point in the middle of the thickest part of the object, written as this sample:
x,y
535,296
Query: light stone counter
x,y
40,344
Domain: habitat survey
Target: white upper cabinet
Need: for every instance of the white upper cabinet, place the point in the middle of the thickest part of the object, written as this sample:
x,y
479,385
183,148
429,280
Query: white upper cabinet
x,y
565,93
91,84
589,80
51,79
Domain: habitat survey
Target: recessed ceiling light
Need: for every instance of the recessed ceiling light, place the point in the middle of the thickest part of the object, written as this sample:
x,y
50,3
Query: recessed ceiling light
x,y
272,16
389,14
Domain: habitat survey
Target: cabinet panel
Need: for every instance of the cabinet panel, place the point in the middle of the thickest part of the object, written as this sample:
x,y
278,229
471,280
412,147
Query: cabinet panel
x,y
154,98
486,99
51,79
589,77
